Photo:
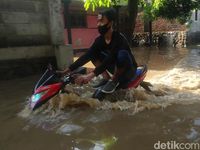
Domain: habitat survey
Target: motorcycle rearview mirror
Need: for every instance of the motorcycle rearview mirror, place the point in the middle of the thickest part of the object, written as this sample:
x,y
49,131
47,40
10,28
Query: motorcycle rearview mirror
x,y
67,79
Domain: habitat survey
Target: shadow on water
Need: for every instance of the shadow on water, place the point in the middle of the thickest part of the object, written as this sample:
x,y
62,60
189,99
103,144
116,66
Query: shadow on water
x,y
136,121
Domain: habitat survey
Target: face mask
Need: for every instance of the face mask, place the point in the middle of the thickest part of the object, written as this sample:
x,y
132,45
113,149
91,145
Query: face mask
x,y
103,29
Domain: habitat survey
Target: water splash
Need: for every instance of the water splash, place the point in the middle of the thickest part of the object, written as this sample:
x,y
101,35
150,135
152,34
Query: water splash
x,y
192,135
197,122
183,80
180,85
103,144
67,129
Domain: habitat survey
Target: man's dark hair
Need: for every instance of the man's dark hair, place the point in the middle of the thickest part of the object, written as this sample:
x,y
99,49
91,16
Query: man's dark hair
x,y
109,13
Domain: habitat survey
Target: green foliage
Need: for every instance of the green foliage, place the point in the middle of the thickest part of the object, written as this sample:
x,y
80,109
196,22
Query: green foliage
x,y
96,3
148,10
180,9
101,3
170,9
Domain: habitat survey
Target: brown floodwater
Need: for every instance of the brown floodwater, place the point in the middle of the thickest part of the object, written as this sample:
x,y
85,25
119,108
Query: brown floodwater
x,y
138,120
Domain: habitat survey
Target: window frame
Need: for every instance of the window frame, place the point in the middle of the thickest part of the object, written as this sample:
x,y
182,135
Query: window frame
x,y
196,15
78,15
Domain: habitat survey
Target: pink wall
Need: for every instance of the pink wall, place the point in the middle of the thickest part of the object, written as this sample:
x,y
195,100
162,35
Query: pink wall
x,y
82,38
92,21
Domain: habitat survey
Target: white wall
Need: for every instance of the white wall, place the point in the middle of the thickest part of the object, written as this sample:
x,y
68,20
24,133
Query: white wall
x,y
193,34
195,26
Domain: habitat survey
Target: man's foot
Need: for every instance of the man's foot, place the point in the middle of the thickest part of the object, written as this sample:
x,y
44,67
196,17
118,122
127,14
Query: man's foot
x,y
100,83
110,86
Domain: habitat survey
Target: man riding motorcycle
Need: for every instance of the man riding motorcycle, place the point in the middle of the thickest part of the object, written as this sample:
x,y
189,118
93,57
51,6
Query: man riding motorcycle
x,y
111,55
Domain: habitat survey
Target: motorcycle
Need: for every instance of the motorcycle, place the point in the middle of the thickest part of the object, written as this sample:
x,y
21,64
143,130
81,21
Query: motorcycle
x,y
50,84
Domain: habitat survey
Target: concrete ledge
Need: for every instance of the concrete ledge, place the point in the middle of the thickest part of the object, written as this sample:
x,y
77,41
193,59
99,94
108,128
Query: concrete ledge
x,y
18,68
18,62
13,53
24,40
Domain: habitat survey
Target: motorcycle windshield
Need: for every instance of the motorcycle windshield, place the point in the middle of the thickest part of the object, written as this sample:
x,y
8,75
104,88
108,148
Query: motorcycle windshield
x,y
49,77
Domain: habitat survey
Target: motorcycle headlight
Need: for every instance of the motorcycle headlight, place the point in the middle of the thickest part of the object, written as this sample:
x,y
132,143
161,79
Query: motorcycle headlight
x,y
37,96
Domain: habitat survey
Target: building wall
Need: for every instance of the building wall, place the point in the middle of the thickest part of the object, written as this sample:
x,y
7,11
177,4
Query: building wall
x,y
24,23
25,39
82,38
159,25
83,25
195,25
194,31
165,33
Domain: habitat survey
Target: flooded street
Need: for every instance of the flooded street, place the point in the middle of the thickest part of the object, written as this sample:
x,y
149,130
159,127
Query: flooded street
x,y
138,123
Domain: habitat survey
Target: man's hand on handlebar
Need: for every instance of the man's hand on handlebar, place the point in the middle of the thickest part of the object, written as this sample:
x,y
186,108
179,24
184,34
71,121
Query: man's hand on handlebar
x,y
84,79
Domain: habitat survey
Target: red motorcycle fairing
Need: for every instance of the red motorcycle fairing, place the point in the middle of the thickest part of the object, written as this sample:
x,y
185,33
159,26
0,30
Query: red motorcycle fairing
x,y
43,94
140,75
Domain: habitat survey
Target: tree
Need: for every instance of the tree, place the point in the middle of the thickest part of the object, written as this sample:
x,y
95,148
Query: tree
x,y
102,3
170,9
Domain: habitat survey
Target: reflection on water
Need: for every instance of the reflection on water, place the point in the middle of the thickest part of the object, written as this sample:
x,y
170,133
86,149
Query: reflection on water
x,y
136,121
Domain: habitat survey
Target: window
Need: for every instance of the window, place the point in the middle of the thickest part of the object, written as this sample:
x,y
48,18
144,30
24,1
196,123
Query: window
x,y
78,20
196,15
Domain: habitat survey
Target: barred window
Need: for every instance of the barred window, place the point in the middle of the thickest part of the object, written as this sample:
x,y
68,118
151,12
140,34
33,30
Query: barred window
x,y
196,15
78,20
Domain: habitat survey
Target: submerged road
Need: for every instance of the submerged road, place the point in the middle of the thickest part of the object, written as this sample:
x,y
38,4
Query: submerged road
x,y
170,119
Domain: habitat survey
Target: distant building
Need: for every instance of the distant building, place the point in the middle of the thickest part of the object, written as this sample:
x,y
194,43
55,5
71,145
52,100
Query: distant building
x,y
194,30
165,32
159,25
82,25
